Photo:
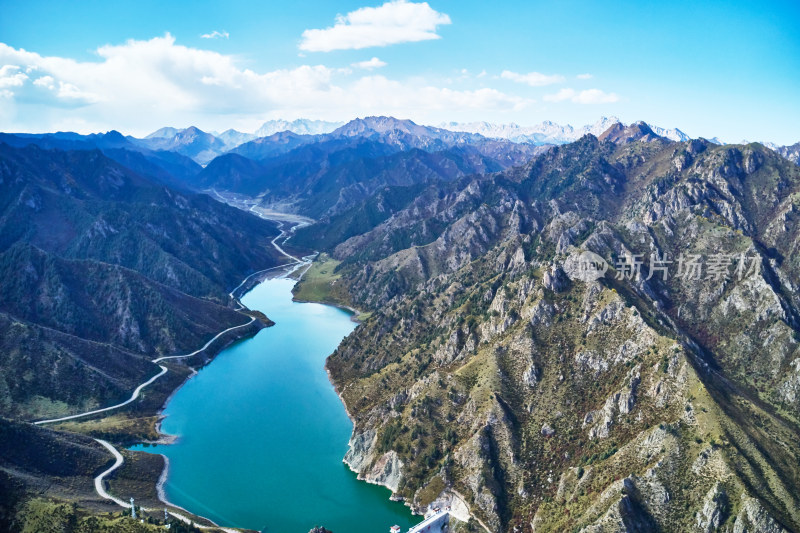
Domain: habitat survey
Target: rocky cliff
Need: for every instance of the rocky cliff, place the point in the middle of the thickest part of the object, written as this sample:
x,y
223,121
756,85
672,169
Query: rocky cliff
x,y
660,395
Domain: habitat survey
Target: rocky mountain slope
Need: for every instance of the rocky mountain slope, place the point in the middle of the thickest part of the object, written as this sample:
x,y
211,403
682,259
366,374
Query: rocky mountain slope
x,y
43,472
170,168
497,372
102,269
792,153
328,178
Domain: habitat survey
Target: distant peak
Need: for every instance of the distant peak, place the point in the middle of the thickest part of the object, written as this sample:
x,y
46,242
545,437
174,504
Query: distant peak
x,y
620,134
378,124
163,133
300,126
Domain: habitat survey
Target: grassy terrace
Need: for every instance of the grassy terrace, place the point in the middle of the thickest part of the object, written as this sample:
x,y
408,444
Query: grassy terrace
x,y
320,283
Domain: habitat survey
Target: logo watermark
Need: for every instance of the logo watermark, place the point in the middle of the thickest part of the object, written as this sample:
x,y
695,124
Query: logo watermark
x,y
591,266
635,267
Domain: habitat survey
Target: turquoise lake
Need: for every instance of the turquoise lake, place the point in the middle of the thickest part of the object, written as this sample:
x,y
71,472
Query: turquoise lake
x,y
262,433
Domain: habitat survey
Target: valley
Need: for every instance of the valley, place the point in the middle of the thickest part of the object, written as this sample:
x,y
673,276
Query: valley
x,y
488,373
422,266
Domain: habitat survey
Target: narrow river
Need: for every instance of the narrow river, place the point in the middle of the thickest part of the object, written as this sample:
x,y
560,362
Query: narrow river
x,y
262,433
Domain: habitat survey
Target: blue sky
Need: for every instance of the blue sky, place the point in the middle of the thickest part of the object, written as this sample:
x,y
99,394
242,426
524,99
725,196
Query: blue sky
x,y
727,69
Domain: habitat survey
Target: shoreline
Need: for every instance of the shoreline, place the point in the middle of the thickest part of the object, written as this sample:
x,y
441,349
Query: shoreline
x,y
166,438
162,495
393,497
339,394
354,313
359,476
247,284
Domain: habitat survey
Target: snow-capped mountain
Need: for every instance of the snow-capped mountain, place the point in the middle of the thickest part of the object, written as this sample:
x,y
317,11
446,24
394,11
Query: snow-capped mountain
x,y
673,134
203,147
550,132
191,142
300,126
164,133
546,132
233,138
792,153
597,128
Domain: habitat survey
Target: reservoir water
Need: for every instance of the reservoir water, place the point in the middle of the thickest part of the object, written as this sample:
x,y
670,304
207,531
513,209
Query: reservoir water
x,y
261,432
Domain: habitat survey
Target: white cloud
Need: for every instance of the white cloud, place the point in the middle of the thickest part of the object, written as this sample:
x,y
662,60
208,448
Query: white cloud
x,y
595,96
588,96
216,35
45,81
584,76
139,86
69,92
560,96
10,76
534,79
370,64
394,22
374,91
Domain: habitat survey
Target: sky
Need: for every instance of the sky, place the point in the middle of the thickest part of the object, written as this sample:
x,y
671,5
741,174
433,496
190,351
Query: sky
x,y
713,69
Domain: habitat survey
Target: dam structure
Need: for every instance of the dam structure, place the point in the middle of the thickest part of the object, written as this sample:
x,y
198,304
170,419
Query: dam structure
x,y
436,521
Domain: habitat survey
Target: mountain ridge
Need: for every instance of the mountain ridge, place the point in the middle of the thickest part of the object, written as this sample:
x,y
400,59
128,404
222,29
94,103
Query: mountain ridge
x,y
96,253
491,368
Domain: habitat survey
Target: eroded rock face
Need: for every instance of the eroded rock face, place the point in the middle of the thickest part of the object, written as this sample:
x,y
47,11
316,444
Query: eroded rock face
x,y
625,516
528,387
360,455
715,508
387,471
618,404
754,518
555,279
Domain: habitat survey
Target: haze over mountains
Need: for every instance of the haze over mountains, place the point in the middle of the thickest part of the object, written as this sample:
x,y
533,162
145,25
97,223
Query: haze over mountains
x,y
277,136
201,148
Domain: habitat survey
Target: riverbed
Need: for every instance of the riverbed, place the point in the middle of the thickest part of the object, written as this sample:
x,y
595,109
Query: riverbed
x,y
262,433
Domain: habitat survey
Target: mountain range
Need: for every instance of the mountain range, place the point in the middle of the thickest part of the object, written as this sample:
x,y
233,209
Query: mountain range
x,y
546,132
492,370
202,147
92,252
